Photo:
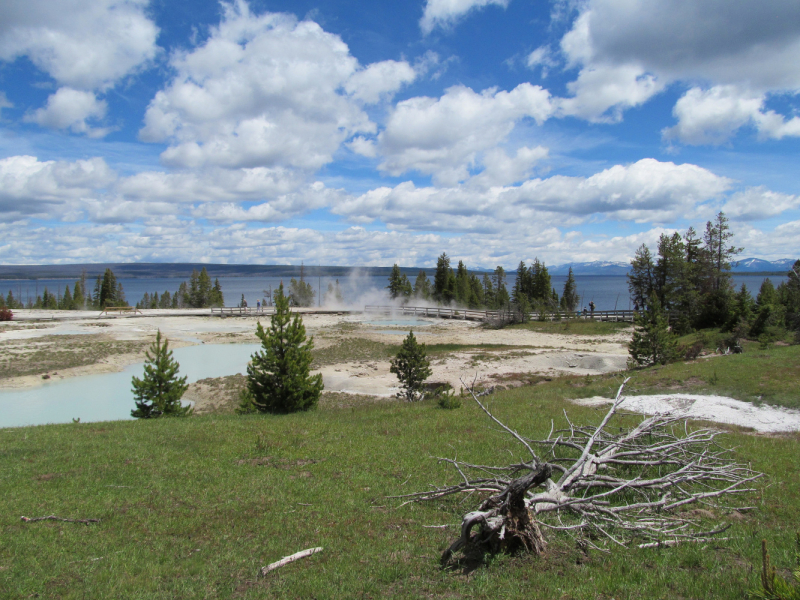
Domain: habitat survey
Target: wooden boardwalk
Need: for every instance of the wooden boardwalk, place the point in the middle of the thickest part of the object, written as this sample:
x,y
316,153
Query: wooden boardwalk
x,y
625,316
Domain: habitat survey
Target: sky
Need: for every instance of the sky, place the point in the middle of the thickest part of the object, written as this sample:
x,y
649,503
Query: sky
x,y
371,133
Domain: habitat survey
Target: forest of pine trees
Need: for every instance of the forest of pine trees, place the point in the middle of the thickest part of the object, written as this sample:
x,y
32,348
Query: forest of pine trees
x,y
532,290
691,276
107,291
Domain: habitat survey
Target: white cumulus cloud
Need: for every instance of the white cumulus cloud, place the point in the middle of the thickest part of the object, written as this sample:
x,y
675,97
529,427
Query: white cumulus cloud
x,y
263,90
83,45
442,137
70,109
29,186
629,50
445,13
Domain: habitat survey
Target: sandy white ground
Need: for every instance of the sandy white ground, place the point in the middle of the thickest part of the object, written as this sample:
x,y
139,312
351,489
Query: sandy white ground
x,y
718,409
535,353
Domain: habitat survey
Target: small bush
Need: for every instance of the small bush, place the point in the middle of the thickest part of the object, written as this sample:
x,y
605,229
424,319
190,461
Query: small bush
x,y
246,405
448,400
6,314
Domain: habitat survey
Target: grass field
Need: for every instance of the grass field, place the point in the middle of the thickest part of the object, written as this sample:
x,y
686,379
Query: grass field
x,y
191,508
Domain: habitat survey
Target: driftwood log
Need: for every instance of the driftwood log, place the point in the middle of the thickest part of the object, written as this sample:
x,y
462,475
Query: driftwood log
x,y
604,488
289,559
55,518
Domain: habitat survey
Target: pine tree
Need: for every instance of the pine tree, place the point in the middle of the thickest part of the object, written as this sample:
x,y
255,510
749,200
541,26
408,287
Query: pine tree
x,y
278,376
98,286
395,282
641,281
412,367
652,343
66,300
441,277
217,297
488,291
570,298
159,392
422,287
501,298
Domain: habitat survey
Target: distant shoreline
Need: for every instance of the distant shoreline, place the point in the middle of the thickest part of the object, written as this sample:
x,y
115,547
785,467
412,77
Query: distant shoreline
x,y
184,270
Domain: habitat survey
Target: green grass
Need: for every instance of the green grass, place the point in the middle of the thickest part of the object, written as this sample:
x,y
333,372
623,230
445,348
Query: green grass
x,y
191,508
574,327
352,350
770,376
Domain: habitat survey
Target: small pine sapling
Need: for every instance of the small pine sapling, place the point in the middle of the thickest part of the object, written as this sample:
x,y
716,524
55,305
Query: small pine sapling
x,y
278,377
412,367
652,343
159,392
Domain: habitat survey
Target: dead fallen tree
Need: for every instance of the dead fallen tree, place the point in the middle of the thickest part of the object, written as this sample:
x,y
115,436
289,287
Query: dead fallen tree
x,y
603,487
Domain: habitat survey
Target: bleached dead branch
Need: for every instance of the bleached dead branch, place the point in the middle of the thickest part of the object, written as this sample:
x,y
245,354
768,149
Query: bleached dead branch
x,y
626,487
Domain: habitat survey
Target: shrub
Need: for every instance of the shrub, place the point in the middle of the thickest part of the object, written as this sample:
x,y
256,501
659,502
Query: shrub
x,y
448,400
6,314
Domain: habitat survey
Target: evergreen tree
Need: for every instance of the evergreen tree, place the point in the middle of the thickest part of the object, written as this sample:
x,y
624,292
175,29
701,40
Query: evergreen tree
x,y
166,300
441,277
463,289
422,286
501,298
570,298
278,376
770,313
652,343
217,298
194,289
521,285
181,299
476,299
159,392
791,300
66,300
98,286
412,367
669,273
300,292
405,288
719,252
742,310
109,290
641,281
395,286
203,289
488,292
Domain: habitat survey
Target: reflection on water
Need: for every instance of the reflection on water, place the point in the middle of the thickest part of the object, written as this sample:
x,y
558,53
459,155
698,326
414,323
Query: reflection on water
x,y
108,397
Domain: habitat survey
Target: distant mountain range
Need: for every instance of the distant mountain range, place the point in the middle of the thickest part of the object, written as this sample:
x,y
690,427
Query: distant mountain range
x,y
183,270
747,265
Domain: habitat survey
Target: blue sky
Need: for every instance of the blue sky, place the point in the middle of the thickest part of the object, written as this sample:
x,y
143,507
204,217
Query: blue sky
x,y
371,133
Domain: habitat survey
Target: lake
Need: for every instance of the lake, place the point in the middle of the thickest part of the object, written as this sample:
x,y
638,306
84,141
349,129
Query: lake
x,y
108,396
608,292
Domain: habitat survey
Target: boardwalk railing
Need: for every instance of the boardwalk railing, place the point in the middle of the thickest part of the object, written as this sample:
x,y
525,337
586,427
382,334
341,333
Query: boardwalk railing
x,y
118,310
241,311
491,315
